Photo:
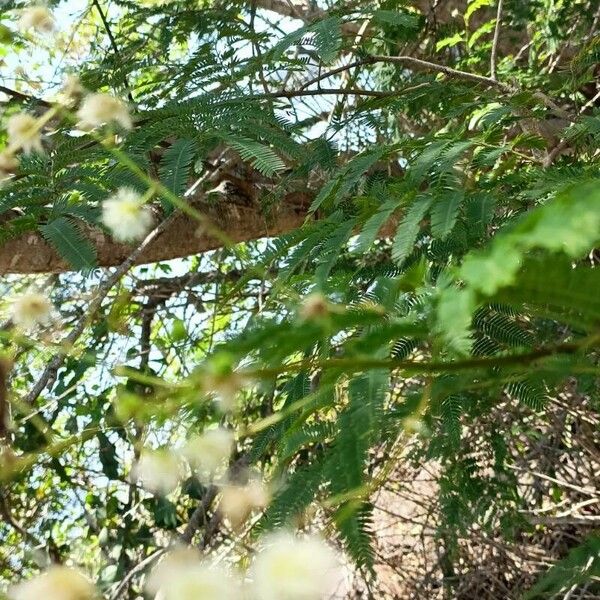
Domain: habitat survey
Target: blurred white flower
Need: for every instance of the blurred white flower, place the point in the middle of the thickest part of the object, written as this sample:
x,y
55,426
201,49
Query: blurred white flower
x,y
225,387
126,215
314,306
29,309
71,91
239,501
8,164
159,471
209,451
38,18
293,568
56,583
23,133
99,109
184,575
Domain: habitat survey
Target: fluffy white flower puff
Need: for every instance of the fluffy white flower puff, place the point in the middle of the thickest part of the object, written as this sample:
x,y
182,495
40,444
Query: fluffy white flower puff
x,y
159,471
238,502
56,583
98,109
30,309
183,575
126,216
208,452
293,568
38,18
23,133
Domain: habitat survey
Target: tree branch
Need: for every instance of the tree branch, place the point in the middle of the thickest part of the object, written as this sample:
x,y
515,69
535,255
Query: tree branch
x,y
494,57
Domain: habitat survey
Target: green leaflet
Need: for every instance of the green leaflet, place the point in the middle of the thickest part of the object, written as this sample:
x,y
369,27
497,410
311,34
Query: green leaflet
x,y
70,243
570,223
444,213
342,184
371,228
408,230
403,19
581,564
325,35
175,165
263,158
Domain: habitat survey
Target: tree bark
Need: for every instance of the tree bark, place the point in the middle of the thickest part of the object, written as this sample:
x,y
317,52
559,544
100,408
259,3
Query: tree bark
x,y
30,253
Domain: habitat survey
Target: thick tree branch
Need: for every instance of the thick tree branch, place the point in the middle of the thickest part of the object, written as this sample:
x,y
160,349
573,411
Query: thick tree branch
x,y
182,236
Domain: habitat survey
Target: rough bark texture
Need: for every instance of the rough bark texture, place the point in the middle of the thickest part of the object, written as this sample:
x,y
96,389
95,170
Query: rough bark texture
x,y
30,253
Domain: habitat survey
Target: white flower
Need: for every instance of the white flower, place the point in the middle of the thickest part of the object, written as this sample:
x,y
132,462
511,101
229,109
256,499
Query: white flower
x,y
23,132
209,451
183,575
29,309
159,471
99,109
71,91
293,568
56,583
8,164
225,387
38,18
314,306
126,216
239,501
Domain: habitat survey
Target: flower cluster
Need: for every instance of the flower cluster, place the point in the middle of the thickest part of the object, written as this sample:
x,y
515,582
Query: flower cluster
x,y
160,471
38,18
287,567
126,215
99,109
24,133
56,583
30,309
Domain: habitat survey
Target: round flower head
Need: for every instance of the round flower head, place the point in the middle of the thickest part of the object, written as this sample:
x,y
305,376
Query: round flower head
x,y
209,451
38,18
30,309
126,216
293,568
98,109
183,575
314,306
56,583
239,501
159,471
23,133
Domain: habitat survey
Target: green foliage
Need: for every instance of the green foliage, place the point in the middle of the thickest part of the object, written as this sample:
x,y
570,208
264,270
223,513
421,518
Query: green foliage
x,y
439,302
70,243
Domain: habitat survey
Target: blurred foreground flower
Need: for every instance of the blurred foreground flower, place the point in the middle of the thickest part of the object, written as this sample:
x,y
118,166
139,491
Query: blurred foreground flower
x,y
56,583
23,133
38,18
8,164
29,309
159,471
238,502
126,215
184,575
218,378
293,568
208,452
99,109
314,306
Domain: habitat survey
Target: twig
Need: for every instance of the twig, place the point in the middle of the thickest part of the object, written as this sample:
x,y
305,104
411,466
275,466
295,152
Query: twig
x,y
198,517
113,43
131,574
48,376
494,57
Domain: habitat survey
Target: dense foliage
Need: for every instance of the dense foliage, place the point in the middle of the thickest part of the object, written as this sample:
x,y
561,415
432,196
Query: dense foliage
x,y
441,295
